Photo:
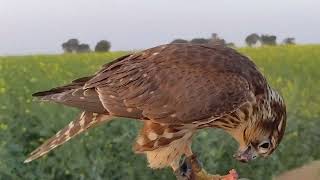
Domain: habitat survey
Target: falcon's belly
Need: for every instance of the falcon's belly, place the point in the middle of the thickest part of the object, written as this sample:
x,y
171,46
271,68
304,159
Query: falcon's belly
x,y
163,144
170,154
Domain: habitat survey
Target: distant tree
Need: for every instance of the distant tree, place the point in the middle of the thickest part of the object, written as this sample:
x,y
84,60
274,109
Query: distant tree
x,y
83,48
199,41
252,39
214,36
179,41
220,42
289,41
102,46
216,40
230,44
213,41
270,40
70,46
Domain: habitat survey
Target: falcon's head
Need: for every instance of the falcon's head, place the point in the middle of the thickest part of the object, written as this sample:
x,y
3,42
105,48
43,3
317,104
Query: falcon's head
x,y
260,137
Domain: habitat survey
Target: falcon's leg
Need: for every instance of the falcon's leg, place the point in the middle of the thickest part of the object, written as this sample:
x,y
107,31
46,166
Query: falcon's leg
x,y
191,169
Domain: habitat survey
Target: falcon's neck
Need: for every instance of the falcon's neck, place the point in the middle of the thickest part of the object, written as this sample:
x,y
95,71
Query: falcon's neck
x,y
249,113
252,112
233,120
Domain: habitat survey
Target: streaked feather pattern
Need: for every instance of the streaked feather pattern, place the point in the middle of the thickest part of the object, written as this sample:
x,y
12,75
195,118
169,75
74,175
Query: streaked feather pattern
x,y
85,121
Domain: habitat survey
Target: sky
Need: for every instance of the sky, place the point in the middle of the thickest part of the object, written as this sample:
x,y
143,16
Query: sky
x,y
41,26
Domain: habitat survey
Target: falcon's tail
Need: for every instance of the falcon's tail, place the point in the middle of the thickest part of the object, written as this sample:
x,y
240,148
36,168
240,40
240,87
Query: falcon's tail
x,y
75,127
74,95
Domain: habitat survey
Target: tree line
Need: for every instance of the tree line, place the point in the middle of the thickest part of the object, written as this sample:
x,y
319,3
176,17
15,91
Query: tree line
x,y
74,46
213,40
254,39
251,40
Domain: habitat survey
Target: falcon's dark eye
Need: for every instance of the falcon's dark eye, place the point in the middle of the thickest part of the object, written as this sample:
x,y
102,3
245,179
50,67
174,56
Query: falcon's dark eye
x,y
264,145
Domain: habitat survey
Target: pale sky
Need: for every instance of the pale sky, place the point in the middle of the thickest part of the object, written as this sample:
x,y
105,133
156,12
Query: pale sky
x,y
40,26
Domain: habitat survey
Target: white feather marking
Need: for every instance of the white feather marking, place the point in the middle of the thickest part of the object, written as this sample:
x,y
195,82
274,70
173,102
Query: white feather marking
x,y
167,135
173,115
152,136
141,141
58,133
165,156
71,124
52,146
82,123
280,125
42,153
82,115
94,118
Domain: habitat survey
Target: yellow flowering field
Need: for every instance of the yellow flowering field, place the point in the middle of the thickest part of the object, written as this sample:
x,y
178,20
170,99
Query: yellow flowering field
x,y
105,152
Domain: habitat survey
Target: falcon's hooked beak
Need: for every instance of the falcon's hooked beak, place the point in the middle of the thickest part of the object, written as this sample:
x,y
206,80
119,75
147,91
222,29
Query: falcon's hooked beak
x,y
246,155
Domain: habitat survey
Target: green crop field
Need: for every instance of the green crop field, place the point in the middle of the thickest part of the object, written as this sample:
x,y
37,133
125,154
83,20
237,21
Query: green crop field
x,y
105,152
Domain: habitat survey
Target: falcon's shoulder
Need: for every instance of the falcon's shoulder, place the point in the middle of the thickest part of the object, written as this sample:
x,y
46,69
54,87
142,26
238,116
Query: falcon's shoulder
x,y
178,83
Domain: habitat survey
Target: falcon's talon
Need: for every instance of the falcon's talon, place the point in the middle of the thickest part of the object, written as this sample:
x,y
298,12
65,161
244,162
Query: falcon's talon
x,y
182,175
184,172
191,169
195,163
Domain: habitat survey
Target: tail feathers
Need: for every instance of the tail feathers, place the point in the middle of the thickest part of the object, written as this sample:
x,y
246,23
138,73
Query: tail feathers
x,y
85,99
74,95
76,84
79,125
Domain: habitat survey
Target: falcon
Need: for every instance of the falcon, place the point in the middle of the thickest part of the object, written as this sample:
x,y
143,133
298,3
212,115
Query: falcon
x,y
176,90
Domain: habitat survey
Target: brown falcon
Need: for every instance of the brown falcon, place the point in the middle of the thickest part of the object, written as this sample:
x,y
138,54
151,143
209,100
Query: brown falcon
x,y
177,89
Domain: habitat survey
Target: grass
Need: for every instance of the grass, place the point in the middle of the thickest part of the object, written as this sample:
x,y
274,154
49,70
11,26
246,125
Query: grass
x,y
105,152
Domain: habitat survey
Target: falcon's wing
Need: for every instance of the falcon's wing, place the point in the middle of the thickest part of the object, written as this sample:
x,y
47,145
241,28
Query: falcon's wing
x,y
168,86
75,95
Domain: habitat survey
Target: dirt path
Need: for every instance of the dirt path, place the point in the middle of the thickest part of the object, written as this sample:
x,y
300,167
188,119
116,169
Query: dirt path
x,y
309,171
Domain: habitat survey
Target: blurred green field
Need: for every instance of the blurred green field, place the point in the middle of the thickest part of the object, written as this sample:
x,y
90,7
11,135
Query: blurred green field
x,y
105,152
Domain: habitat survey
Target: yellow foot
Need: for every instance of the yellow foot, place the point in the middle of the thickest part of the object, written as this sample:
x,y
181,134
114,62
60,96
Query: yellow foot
x,y
191,169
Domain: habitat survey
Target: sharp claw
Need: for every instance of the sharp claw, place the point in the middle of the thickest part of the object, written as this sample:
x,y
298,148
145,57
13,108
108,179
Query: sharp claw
x,y
181,176
185,170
